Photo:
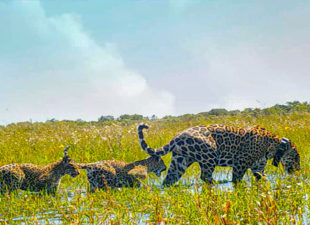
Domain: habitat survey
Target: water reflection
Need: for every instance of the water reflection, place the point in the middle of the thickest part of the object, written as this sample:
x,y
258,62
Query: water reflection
x,y
191,183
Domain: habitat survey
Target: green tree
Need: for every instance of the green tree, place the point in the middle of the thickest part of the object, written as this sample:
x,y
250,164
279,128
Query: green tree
x,y
105,118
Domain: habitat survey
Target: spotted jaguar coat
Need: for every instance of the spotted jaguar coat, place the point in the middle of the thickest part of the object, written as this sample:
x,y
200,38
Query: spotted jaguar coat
x,y
226,146
26,176
118,174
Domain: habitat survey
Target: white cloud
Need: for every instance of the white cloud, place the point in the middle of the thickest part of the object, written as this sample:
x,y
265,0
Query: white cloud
x,y
252,74
261,66
259,74
237,76
58,71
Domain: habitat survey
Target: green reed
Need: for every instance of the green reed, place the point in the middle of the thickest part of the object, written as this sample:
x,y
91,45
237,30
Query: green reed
x,y
280,199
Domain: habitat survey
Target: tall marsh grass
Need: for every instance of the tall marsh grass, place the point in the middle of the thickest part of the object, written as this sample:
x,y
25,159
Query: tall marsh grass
x,y
278,199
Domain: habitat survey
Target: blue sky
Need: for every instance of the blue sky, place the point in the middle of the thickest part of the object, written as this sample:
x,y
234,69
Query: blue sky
x,y
84,59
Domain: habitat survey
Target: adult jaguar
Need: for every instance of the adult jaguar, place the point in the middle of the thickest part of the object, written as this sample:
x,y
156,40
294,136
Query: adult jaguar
x,y
26,176
227,146
118,174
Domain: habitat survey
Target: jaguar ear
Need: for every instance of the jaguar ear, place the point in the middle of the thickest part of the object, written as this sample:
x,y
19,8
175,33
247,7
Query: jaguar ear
x,y
66,157
282,148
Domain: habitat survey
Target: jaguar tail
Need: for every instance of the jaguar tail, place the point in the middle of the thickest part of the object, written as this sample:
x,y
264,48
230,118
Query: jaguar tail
x,y
153,152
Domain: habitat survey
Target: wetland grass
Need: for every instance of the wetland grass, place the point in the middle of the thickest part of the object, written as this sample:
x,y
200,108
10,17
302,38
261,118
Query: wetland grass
x,y
278,199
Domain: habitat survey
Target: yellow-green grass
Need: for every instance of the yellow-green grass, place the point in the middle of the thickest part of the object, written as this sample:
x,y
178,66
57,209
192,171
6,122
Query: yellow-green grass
x,y
280,199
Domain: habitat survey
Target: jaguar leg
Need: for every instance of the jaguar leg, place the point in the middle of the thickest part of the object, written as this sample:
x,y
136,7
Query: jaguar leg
x,y
11,181
92,188
238,173
51,191
206,173
176,169
258,169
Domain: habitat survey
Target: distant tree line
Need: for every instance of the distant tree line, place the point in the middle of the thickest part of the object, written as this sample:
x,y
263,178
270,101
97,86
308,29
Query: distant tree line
x,y
125,117
289,107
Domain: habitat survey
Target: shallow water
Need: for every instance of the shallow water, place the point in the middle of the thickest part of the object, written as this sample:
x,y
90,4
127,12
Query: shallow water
x,y
306,215
223,183
51,217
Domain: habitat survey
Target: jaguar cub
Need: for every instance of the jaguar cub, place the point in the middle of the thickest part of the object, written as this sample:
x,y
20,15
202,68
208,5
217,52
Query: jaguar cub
x,y
227,146
118,174
32,177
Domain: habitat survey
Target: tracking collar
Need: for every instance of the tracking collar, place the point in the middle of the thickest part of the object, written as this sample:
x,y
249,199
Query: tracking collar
x,y
282,148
